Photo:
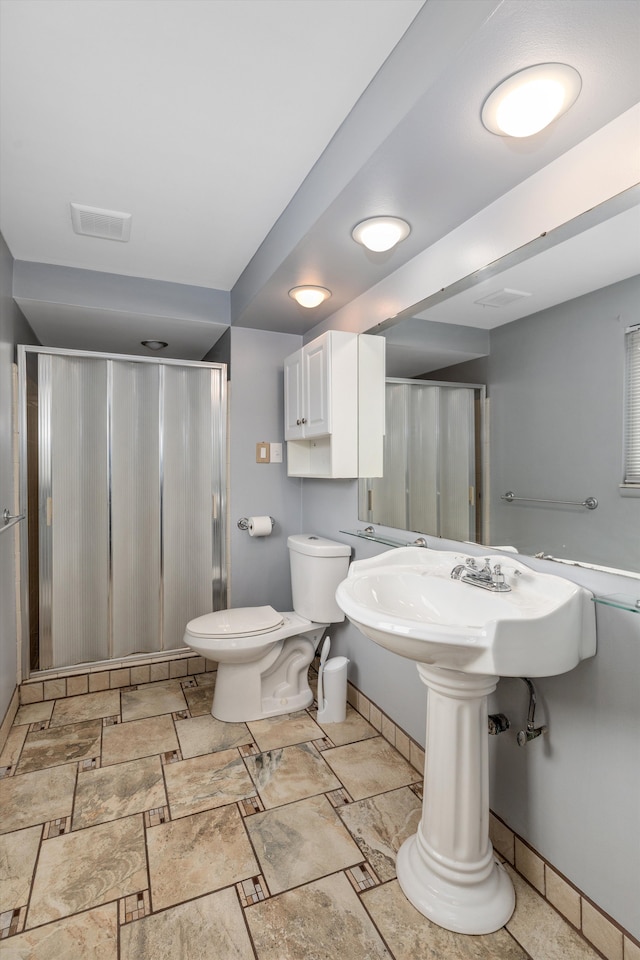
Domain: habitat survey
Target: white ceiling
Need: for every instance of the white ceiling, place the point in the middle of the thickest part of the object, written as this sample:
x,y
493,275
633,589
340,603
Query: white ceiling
x,y
200,118
247,138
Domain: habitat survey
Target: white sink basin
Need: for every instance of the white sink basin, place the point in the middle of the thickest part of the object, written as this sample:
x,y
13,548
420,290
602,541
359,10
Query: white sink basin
x,y
405,600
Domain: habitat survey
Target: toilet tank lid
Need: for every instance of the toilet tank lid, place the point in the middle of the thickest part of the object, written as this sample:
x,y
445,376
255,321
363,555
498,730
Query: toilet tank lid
x,y
317,546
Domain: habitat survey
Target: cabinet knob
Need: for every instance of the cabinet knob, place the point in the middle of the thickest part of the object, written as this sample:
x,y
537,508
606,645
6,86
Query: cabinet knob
x,y
298,422
303,420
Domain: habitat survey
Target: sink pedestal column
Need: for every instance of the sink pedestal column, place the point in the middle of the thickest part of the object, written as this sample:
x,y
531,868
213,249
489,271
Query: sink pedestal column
x,y
447,870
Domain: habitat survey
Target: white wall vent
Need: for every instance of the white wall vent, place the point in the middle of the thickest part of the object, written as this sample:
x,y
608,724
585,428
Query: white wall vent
x,y
106,224
501,298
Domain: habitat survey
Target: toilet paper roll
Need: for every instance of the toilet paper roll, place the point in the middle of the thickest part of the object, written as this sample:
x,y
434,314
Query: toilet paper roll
x,y
259,526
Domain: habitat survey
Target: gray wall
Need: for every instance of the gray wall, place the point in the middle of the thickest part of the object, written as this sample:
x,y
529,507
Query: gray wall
x,y
260,566
556,386
330,507
221,351
13,329
52,283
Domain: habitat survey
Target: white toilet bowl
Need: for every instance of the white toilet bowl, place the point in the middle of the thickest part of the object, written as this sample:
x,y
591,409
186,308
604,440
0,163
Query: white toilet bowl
x,y
259,674
263,656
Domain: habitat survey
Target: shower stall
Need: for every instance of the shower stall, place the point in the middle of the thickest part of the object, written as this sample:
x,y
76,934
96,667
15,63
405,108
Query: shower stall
x,y
122,479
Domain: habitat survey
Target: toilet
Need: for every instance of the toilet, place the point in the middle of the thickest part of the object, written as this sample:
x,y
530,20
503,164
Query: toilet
x,y
263,656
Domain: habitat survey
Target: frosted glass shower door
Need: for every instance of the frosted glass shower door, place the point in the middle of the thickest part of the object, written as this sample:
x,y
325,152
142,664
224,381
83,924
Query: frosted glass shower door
x,y
429,481
73,511
191,508
457,463
130,529
387,495
135,507
423,483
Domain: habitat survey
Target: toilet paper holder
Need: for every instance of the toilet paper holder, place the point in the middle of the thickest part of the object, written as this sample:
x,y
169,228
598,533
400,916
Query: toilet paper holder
x,y
243,523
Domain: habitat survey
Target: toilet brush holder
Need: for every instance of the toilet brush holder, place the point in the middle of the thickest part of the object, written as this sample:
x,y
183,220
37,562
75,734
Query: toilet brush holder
x,y
333,683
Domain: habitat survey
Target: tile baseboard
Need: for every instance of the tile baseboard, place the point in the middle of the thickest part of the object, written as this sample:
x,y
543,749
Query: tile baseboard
x,y
9,717
111,675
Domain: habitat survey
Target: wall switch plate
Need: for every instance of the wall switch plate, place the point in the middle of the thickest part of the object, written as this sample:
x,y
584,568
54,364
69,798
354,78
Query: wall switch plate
x,y
263,452
276,452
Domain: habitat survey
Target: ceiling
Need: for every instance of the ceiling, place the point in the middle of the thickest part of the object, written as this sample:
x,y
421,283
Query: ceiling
x,y
247,139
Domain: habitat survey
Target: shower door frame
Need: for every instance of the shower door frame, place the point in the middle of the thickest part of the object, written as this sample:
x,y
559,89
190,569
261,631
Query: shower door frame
x,y
219,506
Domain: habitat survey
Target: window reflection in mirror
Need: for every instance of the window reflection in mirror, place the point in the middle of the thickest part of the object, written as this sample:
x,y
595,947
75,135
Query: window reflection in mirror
x,y
432,481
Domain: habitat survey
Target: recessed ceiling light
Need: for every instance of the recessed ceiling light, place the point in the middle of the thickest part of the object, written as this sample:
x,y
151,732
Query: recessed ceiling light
x,y
528,101
309,296
380,233
154,344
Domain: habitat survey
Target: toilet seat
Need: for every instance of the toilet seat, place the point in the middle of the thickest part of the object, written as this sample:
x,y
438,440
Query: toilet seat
x,y
236,622
270,630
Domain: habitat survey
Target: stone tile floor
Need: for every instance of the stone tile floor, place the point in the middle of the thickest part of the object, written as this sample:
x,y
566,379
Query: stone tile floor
x,y
135,826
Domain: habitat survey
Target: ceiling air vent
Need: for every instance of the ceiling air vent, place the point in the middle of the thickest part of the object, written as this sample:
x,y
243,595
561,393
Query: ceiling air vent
x,y
501,298
106,224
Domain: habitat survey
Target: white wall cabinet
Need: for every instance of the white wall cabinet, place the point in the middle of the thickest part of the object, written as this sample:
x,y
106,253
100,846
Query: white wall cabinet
x,y
334,406
307,391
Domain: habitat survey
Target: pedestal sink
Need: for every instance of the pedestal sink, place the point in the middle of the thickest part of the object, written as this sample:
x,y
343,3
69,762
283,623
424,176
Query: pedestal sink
x,y
464,633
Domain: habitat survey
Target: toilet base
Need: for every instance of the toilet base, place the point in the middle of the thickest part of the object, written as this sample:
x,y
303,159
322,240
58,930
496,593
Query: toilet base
x,y
275,706
275,685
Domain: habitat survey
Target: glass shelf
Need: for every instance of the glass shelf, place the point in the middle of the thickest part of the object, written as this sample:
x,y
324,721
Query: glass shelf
x,y
379,538
621,601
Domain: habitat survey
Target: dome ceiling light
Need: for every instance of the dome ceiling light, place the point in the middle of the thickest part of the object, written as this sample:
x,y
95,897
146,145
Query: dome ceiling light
x,y
528,101
154,344
381,233
309,296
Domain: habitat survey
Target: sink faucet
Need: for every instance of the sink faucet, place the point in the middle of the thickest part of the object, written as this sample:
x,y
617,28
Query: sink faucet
x,y
486,577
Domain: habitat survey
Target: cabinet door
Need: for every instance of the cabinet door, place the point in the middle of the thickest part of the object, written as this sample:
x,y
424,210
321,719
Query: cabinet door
x,y
317,387
293,414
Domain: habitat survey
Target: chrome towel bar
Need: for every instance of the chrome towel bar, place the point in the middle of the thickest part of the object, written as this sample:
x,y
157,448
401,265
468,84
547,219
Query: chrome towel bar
x,y
590,503
9,521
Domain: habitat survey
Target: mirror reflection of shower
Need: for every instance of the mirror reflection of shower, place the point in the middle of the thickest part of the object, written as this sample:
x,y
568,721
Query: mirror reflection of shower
x,y
123,482
432,480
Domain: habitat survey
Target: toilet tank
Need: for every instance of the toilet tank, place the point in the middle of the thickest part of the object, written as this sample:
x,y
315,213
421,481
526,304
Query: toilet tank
x,y
317,567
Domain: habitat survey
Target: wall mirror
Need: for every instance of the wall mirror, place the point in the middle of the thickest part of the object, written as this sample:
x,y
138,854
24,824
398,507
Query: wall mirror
x,y
543,330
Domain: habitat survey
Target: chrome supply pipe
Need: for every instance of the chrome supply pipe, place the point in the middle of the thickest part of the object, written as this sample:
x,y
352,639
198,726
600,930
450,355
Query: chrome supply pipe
x,y
531,731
